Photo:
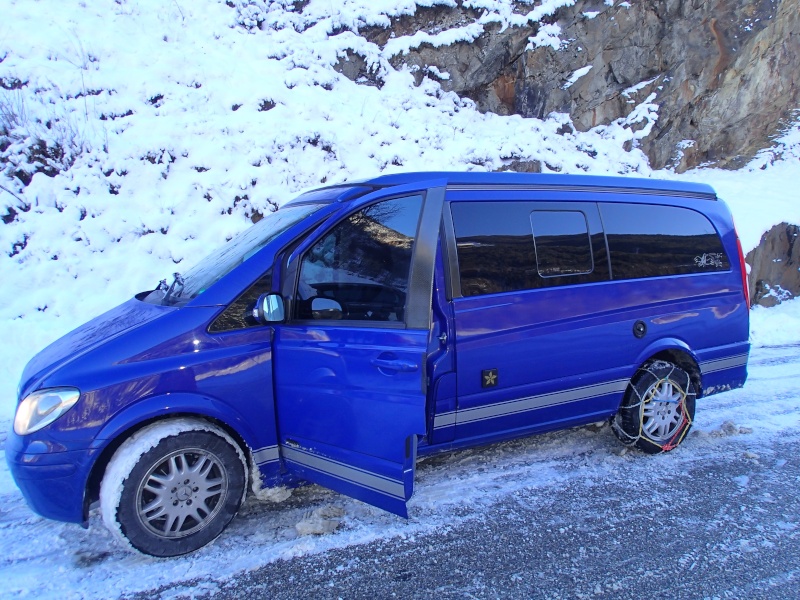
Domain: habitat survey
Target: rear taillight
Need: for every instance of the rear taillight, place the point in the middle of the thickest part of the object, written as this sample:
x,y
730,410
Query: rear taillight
x,y
743,266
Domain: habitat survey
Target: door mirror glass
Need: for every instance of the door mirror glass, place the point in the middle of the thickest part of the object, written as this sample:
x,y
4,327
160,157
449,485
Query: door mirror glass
x,y
269,309
325,308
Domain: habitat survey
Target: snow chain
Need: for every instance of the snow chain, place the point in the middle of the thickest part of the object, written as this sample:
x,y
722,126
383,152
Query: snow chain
x,y
683,426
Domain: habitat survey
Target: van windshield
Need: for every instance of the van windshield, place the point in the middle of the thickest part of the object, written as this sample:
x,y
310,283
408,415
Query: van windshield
x,y
179,289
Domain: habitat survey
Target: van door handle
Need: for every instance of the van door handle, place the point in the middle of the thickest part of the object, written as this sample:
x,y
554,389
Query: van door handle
x,y
394,365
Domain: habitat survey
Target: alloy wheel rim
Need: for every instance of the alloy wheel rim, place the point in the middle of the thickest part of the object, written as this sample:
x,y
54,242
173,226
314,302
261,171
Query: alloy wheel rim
x,y
181,493
662,410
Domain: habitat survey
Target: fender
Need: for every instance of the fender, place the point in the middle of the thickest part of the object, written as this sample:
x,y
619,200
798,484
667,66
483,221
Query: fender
x,y
174,404
662,345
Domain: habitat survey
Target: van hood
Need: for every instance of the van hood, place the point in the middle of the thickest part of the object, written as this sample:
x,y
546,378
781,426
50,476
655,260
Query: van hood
x,y
88,336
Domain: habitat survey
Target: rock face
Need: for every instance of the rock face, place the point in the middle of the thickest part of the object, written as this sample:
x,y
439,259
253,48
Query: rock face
x,y
724,73
775,266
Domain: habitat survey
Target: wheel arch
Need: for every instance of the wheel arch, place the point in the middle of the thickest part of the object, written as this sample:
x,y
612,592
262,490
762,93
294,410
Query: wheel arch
x,y
679,354
123,425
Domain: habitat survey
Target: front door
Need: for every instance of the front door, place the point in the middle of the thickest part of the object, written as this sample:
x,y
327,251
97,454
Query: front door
x,y
349,363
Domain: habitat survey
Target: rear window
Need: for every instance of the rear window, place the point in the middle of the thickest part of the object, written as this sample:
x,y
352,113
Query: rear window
x,y
653,241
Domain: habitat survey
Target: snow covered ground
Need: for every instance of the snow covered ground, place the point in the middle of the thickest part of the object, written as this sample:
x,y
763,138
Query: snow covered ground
x,y
45,559
171,123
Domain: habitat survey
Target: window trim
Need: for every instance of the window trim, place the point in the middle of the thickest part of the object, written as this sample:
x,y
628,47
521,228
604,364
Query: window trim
x,y
453,275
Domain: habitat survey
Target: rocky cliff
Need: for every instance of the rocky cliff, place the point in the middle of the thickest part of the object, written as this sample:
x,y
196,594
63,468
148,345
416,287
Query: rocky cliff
x,y
775,266
723,74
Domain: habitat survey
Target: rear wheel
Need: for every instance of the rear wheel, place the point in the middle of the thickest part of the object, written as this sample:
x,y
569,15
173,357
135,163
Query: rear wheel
x,y
658,408
173,487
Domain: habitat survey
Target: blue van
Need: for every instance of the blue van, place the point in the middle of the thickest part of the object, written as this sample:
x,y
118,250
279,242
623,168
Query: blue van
x,y
363,325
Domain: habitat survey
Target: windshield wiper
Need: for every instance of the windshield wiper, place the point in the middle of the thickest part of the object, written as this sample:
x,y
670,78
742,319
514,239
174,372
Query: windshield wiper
x,y
174,290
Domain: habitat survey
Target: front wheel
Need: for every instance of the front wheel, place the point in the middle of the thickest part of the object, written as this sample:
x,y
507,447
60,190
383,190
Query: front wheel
x,y
658,408
173,487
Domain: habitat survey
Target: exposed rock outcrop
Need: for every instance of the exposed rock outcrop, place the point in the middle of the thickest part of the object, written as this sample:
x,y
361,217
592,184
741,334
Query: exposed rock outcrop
x,y
724,73
775,266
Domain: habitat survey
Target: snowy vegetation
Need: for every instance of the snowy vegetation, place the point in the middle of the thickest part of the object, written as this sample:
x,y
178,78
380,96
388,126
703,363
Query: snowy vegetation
x,y
137,135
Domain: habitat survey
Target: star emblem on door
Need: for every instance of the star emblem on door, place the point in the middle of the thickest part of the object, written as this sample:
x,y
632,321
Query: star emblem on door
x,y
489,378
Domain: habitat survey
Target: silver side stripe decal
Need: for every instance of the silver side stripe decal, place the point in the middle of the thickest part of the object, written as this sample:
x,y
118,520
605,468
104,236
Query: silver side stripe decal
x,y
511,407
720,364
266,454
353,475
444,420
529,403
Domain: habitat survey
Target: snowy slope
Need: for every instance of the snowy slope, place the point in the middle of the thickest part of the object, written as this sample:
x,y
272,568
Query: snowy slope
x,y
182,119
176,121
170,123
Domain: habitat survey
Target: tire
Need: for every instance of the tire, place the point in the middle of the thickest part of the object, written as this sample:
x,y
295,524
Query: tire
x,y
658,408
173,487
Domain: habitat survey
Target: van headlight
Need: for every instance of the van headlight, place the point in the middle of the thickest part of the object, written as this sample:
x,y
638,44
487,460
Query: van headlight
x,y
43,407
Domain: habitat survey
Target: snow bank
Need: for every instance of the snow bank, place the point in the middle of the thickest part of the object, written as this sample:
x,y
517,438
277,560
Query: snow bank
x,y
777,326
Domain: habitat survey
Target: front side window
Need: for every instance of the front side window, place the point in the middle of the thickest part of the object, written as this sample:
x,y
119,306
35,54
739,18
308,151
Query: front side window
x,y
239,313
361,267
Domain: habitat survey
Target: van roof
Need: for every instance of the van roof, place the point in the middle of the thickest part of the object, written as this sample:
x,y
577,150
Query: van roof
x,y
532,181
544,180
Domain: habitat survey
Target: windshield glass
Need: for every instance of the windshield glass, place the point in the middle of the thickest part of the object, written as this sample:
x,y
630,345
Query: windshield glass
x,y
179,289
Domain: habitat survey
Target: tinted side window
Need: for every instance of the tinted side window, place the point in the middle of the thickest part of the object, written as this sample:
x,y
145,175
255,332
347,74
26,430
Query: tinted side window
x,y
363,263
495,247
651,241
498,251
563,246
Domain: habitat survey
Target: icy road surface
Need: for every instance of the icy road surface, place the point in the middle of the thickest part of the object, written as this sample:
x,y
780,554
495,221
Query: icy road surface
x,y
569,514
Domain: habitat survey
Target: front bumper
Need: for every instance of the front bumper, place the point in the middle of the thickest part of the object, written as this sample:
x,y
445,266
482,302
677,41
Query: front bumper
x,y
51,478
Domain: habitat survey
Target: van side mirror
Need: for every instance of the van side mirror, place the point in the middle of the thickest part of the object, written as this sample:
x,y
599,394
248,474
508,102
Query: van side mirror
x,y
269,309
325,308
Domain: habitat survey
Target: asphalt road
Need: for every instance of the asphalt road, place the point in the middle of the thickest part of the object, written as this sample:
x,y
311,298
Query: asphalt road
x,y
722,521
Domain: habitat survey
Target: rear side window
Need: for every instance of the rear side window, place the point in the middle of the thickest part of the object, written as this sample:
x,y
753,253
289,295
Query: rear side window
x,y
653,241
512,246
495,247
